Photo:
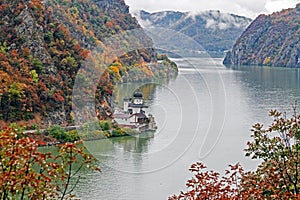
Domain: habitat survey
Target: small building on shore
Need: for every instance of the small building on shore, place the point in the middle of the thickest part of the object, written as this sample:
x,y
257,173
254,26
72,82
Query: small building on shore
x,y
134,114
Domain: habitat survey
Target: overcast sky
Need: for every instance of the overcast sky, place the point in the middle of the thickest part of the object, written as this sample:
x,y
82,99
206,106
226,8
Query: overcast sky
x,y
249,8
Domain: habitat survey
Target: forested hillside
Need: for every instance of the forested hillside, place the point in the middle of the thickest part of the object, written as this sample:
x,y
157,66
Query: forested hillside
x,y
42,47
272,40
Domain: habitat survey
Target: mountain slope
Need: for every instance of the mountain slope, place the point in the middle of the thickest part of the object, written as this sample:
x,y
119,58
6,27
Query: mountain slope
x,y
213,30
43,44
272,40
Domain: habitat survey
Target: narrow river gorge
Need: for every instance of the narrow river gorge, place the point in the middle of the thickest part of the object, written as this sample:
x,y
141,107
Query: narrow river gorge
x,y
204,115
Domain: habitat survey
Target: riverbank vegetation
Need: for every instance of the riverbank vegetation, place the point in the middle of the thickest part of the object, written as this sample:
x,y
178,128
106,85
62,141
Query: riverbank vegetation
x,y
98,129
103,129
277,176
56,134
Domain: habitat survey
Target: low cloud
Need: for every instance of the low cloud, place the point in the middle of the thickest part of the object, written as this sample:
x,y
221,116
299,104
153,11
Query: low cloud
x,y
277,5
249,8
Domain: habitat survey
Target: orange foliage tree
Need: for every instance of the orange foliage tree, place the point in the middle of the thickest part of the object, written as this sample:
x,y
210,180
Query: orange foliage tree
x,y
210,185
28,173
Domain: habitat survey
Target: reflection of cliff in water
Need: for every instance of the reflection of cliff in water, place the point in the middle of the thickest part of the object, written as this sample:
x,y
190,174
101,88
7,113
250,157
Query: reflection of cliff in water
x,y
267,88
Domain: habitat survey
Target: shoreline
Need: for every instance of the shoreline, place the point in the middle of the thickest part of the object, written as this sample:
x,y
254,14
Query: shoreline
x,y
45,139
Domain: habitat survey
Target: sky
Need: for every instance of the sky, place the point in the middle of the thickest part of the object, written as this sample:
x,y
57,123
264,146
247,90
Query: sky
x,y
248,8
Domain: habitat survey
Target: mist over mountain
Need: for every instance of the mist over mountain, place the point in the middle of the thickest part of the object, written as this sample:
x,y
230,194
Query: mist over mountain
x,y
213,30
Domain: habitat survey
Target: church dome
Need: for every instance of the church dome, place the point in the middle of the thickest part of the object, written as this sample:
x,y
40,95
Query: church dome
x,y
138,95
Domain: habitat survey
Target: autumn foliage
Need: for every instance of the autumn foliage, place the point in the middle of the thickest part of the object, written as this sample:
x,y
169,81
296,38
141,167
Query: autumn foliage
x,y
210,185
43,44
27,172
277,177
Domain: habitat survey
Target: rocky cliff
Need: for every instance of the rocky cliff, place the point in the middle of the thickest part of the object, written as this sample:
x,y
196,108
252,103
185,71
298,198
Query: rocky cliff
x,y
44,44
272,40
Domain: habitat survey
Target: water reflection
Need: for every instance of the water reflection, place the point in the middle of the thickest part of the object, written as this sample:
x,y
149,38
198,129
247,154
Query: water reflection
x,y
128,147
269,87
134,144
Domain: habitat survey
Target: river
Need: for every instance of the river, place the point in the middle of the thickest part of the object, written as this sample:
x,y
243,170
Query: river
x,y
205,114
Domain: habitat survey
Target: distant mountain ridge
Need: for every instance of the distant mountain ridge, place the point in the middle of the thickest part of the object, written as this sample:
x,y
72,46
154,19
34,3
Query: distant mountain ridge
x,y
214,30
272,40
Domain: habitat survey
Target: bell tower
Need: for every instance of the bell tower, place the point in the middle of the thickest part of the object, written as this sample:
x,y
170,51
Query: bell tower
x,y
126,104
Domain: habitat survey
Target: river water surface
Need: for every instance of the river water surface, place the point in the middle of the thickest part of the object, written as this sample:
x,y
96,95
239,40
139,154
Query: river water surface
x,y
205,114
